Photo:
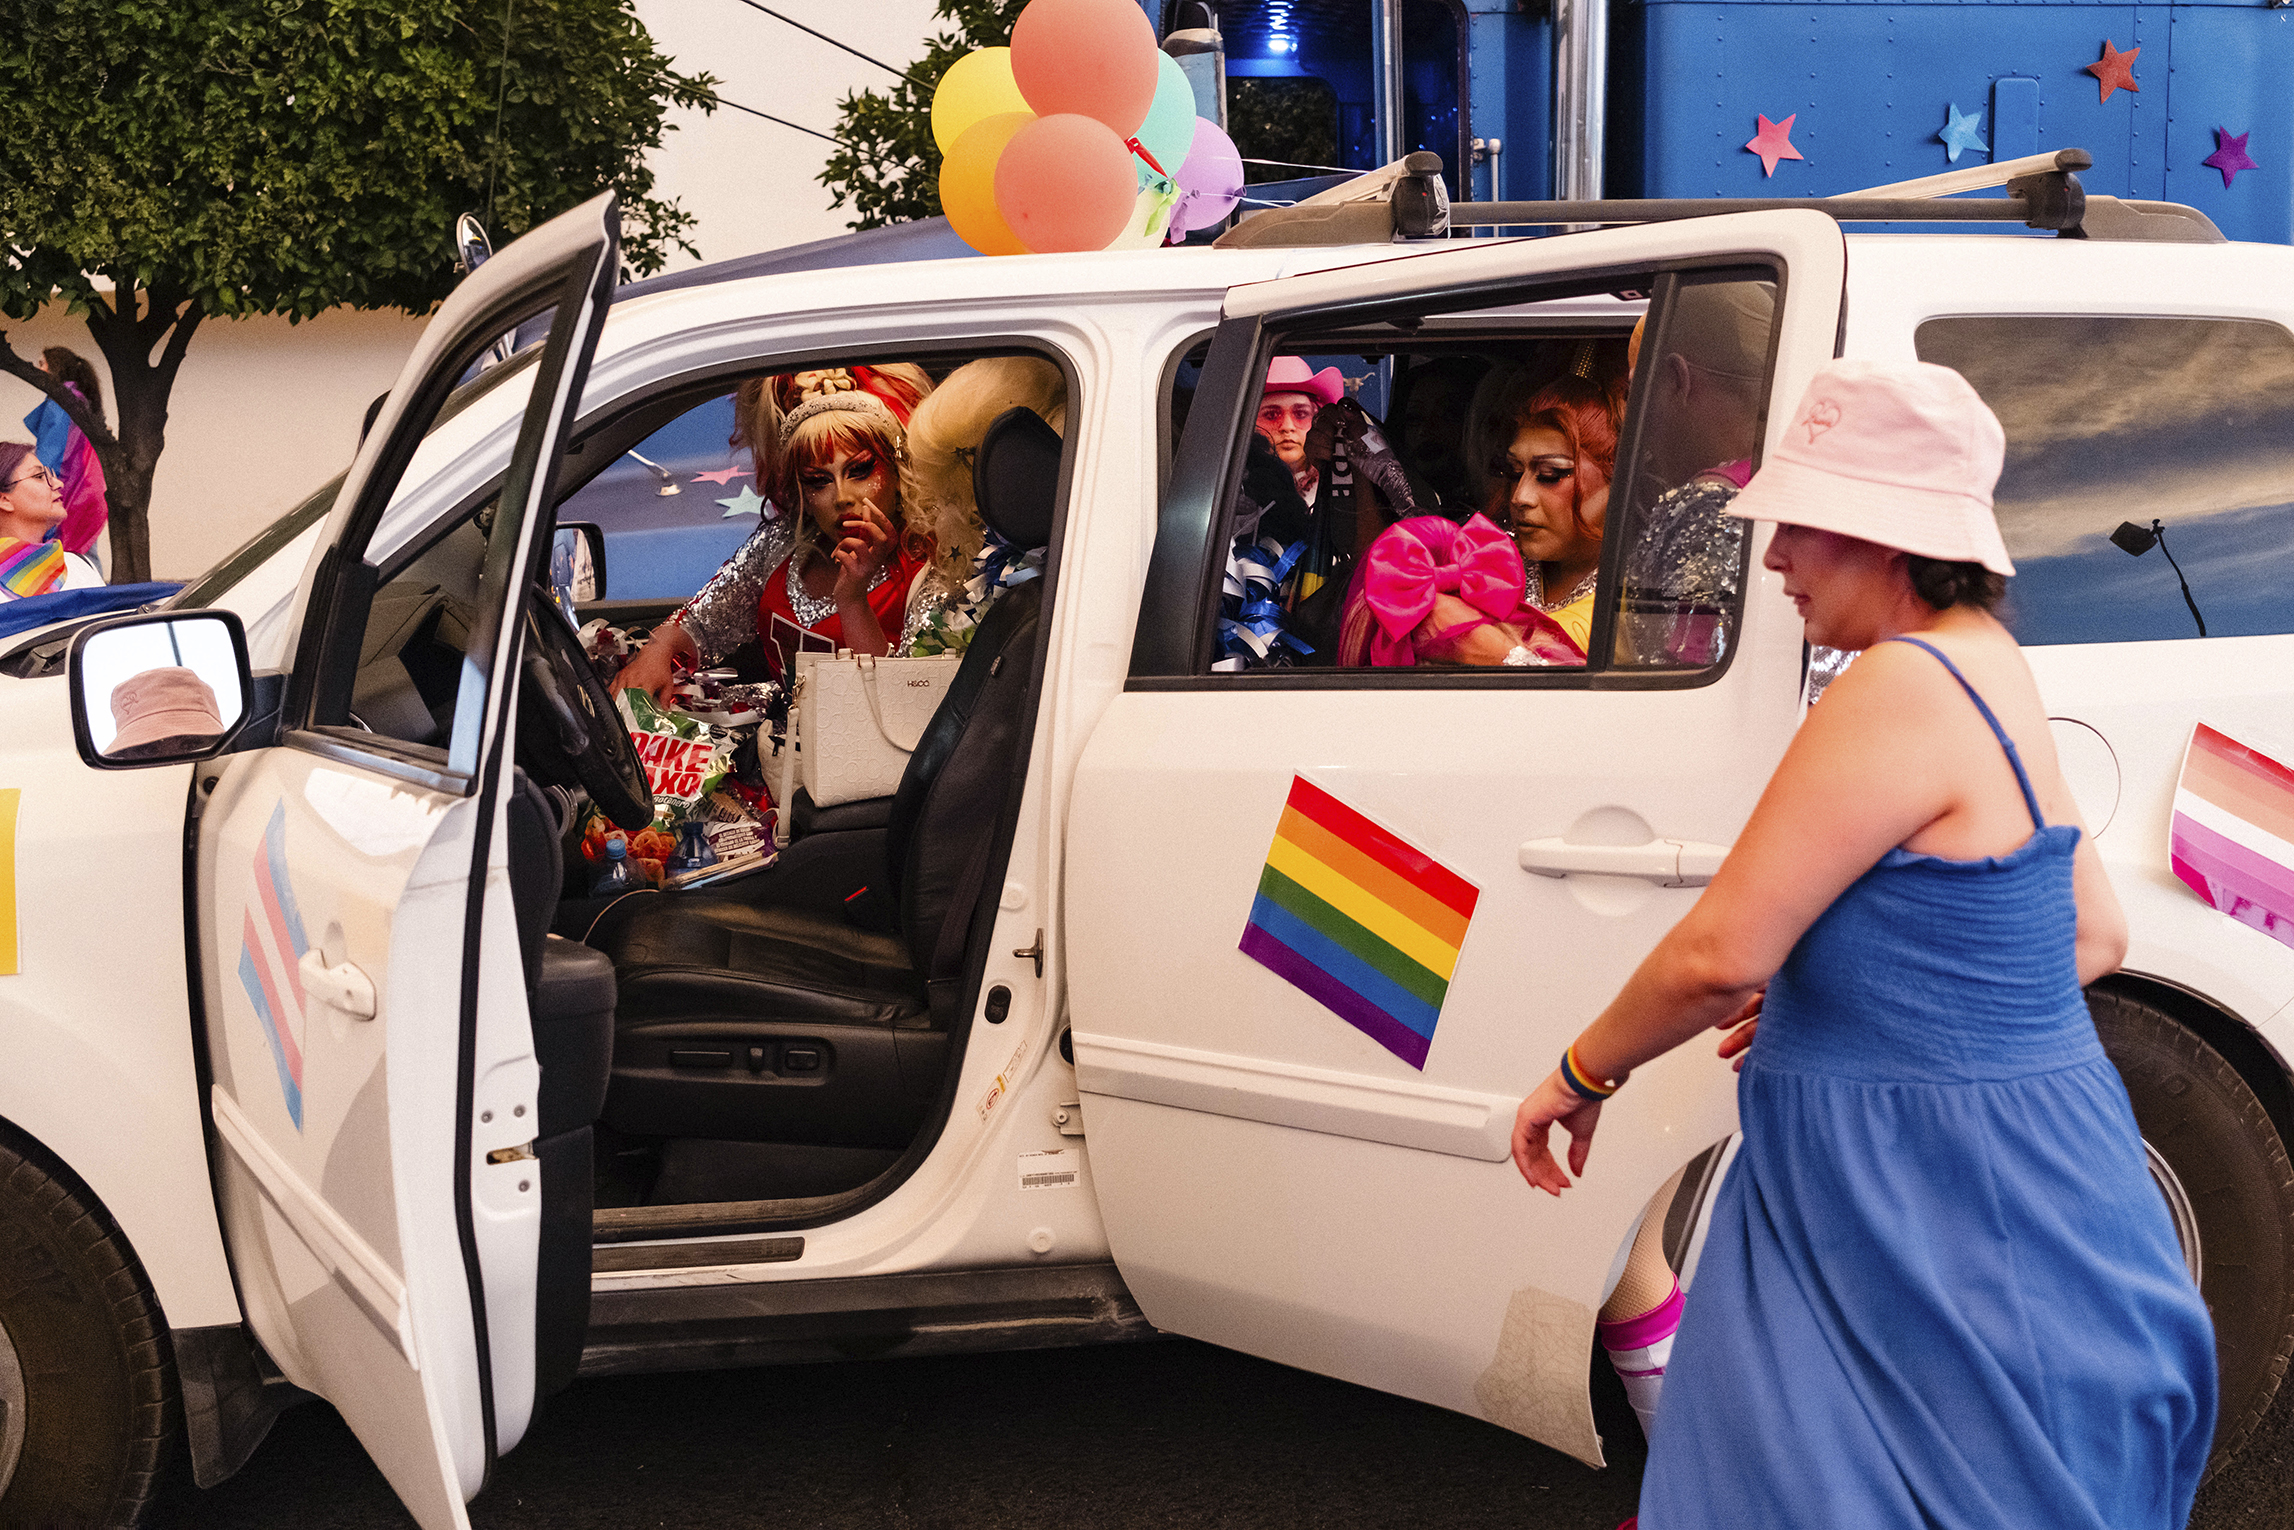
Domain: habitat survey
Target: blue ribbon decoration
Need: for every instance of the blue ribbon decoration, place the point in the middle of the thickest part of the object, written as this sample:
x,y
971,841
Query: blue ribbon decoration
x,y
1253,631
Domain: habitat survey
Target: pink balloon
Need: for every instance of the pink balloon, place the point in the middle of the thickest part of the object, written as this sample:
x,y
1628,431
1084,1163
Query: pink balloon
x,y
1210,179
1065,183
1091,58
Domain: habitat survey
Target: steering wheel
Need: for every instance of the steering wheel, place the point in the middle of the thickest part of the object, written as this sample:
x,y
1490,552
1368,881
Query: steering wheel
x,y
576,727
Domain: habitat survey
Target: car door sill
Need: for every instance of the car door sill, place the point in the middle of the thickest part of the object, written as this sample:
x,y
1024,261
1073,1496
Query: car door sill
x,y
728,1321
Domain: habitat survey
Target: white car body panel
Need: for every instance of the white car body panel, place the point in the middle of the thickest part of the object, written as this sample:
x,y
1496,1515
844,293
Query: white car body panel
x,y
97,1020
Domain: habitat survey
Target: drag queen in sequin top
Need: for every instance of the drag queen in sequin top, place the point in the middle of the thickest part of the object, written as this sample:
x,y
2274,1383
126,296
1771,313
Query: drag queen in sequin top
x,y
835,563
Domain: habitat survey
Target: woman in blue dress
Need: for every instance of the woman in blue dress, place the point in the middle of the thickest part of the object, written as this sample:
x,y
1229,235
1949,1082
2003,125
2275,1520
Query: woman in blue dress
x,y
1940,1288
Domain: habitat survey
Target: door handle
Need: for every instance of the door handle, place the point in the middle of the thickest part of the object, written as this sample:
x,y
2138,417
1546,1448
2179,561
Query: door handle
x,y
1667,862
341,987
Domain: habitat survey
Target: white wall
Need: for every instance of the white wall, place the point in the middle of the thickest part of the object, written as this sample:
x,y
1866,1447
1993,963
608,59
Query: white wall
x,y
264,411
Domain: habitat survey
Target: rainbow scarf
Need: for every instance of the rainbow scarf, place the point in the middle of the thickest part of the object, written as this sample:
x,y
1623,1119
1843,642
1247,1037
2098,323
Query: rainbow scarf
x,y
30,568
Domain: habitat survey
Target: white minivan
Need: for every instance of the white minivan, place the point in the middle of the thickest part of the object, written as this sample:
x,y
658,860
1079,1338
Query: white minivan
x,y
324,1076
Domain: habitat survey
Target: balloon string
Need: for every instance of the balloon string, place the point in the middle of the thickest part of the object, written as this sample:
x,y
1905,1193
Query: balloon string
x,y
1140,149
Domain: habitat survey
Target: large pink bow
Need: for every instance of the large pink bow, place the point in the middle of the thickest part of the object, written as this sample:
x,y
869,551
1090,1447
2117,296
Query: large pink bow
x,y
1414,560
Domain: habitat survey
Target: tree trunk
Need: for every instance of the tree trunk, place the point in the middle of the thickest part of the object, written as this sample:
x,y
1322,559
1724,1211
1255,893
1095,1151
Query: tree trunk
x,y
141,384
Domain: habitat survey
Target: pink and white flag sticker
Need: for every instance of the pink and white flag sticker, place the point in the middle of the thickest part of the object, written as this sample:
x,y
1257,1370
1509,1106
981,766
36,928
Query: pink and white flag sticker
x,y
2232,838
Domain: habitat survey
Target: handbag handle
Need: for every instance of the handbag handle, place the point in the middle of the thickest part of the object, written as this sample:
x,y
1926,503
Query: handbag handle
x,y
867,663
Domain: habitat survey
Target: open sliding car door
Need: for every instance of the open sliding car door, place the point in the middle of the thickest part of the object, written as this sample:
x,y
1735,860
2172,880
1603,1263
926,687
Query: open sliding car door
x,y
1369,907
374,1097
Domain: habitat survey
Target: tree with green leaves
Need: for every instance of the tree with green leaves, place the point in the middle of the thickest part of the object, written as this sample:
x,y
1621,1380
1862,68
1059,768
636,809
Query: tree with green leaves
x,y
889,167
162,163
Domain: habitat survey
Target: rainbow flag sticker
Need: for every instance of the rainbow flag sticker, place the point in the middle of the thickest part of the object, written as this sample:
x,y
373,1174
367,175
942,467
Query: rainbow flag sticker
x,y
1363,923
2232,837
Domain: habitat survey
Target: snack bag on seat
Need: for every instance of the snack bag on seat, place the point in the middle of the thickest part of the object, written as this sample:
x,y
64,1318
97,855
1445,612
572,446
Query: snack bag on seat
x,y
687,763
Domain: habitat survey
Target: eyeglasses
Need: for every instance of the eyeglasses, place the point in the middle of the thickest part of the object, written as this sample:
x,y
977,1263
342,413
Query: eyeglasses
x,y
39,472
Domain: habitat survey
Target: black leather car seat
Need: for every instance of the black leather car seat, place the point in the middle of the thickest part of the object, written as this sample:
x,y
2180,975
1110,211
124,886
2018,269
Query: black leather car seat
x,y
742,1021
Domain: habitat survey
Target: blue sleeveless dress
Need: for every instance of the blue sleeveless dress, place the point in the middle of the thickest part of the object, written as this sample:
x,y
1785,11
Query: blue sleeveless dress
x,y
1940,1287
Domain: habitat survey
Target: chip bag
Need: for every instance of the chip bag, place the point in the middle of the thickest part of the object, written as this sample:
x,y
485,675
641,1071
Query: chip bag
x,y
685,758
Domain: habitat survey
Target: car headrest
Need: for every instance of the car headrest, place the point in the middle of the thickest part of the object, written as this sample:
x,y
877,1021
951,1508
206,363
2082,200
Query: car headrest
x,y
1015,478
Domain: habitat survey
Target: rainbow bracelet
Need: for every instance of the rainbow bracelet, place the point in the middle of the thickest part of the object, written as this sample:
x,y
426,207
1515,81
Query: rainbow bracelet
x,y
1582,1083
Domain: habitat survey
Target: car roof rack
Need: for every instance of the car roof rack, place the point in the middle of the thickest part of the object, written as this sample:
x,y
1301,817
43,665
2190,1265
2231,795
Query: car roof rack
x,y
1407,200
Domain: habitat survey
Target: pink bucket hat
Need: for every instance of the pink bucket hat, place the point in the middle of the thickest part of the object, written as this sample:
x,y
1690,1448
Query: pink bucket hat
x,y
1290,374
162,703
1902,453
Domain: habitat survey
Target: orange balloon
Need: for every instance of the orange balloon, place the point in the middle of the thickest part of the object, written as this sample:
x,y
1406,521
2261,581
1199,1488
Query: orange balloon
x,y
968,184
1093,58
1065,183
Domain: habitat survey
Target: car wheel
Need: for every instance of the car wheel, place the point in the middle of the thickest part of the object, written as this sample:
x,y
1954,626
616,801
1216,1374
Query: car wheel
x,y
2219,1164
87,1398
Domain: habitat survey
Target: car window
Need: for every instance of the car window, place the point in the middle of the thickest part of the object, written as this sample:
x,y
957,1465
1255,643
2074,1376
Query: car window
x,y
410,656
1474,493
2146,456
674,507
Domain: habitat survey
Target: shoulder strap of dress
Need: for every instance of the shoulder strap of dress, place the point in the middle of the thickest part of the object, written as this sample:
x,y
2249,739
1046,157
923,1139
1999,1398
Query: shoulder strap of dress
x,y
2022,779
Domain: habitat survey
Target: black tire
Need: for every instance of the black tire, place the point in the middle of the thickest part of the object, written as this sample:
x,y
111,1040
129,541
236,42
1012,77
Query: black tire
x,y
2231,1171
90,1358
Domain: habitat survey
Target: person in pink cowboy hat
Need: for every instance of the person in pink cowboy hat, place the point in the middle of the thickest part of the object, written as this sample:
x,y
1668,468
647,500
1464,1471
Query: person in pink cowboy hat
x,y
1295,394
1939,1286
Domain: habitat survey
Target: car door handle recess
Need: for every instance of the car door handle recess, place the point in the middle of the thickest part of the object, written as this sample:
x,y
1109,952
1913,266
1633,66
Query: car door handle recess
x,y
1667,862
341,987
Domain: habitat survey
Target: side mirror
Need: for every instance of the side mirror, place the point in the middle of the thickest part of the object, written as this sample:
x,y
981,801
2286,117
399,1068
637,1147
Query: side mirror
x,y
158,689
577,565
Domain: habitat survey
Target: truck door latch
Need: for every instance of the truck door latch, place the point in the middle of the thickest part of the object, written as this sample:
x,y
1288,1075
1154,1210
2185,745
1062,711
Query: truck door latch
x,y
1033,953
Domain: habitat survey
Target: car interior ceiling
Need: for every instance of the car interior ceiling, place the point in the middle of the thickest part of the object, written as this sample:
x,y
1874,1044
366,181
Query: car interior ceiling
x,y
758,1042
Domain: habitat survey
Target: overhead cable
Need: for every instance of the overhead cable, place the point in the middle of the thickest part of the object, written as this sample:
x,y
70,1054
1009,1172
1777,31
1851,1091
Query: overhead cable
x,y
832,42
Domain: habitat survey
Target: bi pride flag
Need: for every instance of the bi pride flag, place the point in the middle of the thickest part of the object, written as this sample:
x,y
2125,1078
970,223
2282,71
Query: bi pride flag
x,y
1360,921
2232,839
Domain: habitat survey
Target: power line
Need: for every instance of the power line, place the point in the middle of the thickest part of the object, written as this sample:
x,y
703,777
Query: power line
x,y
832,42
783,121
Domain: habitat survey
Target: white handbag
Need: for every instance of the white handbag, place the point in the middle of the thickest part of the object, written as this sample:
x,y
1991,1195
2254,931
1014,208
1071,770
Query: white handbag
x,y
859,717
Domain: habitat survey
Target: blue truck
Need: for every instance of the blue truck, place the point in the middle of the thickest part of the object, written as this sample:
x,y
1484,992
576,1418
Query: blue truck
x,y
1534,99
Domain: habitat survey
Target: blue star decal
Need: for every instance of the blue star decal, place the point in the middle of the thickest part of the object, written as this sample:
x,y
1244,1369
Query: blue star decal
x,y
1961,132
747,502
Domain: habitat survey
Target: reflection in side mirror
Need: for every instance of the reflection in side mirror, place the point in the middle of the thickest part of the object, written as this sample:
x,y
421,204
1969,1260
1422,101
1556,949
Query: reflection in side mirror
x,y
158,689
577,566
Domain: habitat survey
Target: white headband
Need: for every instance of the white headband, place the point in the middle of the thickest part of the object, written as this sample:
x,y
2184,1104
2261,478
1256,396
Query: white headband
x,y
855,402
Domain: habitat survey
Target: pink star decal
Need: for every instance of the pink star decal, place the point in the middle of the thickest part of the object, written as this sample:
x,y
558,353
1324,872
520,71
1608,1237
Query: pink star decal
x,y
2229,155
722,475
2115,69
1774,142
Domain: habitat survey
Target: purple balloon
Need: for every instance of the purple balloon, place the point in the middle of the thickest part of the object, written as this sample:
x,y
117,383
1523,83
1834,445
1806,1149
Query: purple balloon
x,y
1210,179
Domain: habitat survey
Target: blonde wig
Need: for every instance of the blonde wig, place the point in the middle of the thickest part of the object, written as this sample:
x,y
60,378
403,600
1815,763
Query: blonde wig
x,y
762,404
936,483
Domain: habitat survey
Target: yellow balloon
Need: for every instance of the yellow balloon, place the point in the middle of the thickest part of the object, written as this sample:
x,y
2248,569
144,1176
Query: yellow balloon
x,y
968,184
977,86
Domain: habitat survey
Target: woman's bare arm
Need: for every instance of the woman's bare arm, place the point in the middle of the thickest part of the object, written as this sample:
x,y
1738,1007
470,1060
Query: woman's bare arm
x,y
1865,773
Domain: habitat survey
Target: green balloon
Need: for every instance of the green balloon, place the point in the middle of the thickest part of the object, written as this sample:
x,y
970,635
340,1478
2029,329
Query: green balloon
x,y
1169,131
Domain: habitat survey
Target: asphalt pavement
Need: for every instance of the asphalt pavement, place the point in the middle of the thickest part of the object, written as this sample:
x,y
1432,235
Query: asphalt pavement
x,y
1169,1434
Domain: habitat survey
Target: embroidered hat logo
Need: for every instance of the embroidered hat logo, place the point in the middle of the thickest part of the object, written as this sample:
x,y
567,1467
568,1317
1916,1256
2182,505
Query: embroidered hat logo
x,y
1821,418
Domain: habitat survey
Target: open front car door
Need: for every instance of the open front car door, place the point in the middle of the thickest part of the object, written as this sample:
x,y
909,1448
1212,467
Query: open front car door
x,y
376,1105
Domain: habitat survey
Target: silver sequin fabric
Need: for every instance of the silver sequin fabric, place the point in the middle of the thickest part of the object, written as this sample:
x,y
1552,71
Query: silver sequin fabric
x,y
723,615
1688,552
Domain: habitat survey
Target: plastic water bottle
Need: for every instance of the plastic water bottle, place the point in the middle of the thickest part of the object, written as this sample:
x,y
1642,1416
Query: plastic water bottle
x,y
617,875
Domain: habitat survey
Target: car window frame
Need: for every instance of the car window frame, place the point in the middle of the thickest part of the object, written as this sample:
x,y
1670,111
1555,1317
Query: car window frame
x,y
1208,467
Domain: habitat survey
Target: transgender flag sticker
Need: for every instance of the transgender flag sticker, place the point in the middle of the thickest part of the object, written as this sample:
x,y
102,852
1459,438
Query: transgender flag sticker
x,y
1363,923
2232,840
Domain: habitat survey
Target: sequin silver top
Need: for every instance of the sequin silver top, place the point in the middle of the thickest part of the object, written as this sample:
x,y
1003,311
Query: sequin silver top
x,y
1688,553
723,615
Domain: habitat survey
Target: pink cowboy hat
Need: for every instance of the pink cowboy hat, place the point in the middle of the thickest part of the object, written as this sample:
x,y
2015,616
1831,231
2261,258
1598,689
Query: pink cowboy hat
x,y
1289,374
